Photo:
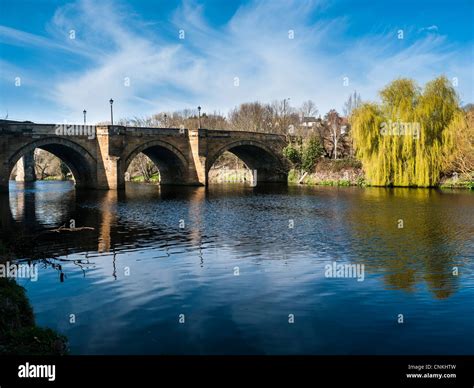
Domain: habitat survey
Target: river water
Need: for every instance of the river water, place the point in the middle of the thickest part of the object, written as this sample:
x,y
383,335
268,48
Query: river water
x,y
240,270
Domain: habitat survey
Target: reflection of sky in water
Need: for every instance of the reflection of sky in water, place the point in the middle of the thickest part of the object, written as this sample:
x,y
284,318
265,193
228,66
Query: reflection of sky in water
x,y
191,271
53,199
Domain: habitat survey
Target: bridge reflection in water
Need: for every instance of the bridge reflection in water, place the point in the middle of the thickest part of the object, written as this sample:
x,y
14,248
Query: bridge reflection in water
x,y
182,246
425,250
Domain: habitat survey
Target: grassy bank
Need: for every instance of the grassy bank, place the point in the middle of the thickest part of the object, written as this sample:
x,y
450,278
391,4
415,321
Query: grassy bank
x,y
462,182
19,333
141,179
342,172
349,172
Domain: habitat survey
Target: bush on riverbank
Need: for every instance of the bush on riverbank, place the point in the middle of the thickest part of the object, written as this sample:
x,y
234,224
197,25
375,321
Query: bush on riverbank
x,y
463,181
304,154
329,172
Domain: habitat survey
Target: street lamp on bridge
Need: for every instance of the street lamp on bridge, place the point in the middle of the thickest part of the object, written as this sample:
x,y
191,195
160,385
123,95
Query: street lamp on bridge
x,y
111,112
84,112
199,116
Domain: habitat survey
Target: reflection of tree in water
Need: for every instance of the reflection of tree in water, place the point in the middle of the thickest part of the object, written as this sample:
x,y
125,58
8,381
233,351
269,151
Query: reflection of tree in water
x,y
57,264
435,237
425,250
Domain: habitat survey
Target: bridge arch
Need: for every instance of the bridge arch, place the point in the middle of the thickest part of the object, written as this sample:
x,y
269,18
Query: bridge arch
x,y
270,166
170,161
80,162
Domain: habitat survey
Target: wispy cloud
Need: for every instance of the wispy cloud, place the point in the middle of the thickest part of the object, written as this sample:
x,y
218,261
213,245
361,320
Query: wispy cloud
x,y
266,51
432,28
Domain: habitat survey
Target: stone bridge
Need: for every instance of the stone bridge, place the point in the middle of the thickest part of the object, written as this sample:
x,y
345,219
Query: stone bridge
x,y
98,156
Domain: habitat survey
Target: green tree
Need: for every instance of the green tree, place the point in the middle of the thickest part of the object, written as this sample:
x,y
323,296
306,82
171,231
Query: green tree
x,y
401,142
312,152
293,153
304,155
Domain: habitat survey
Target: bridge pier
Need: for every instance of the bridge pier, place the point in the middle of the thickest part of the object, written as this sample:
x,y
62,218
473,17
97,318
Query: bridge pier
x,y
198,145
110,141
25,168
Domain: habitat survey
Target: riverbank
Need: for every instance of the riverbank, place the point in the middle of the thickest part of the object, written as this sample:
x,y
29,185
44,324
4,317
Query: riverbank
x,y
349,172
19,334
342,172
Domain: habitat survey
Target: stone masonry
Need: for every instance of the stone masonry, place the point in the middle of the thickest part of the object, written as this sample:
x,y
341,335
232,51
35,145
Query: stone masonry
x,y
98,157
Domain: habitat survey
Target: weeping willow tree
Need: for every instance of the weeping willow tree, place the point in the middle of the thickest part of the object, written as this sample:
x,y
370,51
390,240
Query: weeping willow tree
x,y
403,141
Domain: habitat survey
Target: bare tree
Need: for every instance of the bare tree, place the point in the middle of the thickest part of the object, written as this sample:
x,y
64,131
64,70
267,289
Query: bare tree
x,y
308,109
214,121
142,166
352,102
252,116
46,165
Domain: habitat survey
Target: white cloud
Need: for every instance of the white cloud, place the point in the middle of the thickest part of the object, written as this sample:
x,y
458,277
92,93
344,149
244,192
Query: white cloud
x,y
432,28
171,74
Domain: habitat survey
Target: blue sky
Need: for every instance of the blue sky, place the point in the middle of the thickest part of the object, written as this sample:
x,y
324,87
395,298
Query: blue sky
x,y
59,57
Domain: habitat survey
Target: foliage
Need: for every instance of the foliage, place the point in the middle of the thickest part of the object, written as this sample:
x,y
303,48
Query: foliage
x,y
361,182
462,181
293,176
155,178
312,152
461,159
334,136
385,135
293,153
304,155
142,169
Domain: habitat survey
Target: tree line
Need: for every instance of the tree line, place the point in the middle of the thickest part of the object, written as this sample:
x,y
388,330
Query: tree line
x,y
413,137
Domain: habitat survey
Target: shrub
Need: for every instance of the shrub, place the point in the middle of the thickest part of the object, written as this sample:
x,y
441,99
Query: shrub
x,y
293,154
312,151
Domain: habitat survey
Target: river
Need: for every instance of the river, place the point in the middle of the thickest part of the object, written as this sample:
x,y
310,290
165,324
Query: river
x,y
241,270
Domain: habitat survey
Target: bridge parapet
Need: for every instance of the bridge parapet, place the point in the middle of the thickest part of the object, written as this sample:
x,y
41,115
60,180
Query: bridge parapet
x,y
142,131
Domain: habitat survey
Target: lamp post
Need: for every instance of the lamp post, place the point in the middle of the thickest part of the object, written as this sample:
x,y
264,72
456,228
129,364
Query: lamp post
x,y
111,112
166,121
199,116
84,112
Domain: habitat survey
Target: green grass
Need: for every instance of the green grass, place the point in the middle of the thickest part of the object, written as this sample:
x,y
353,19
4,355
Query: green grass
x,y
293,176
361,182
340,182
463,182
55,178
141,179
